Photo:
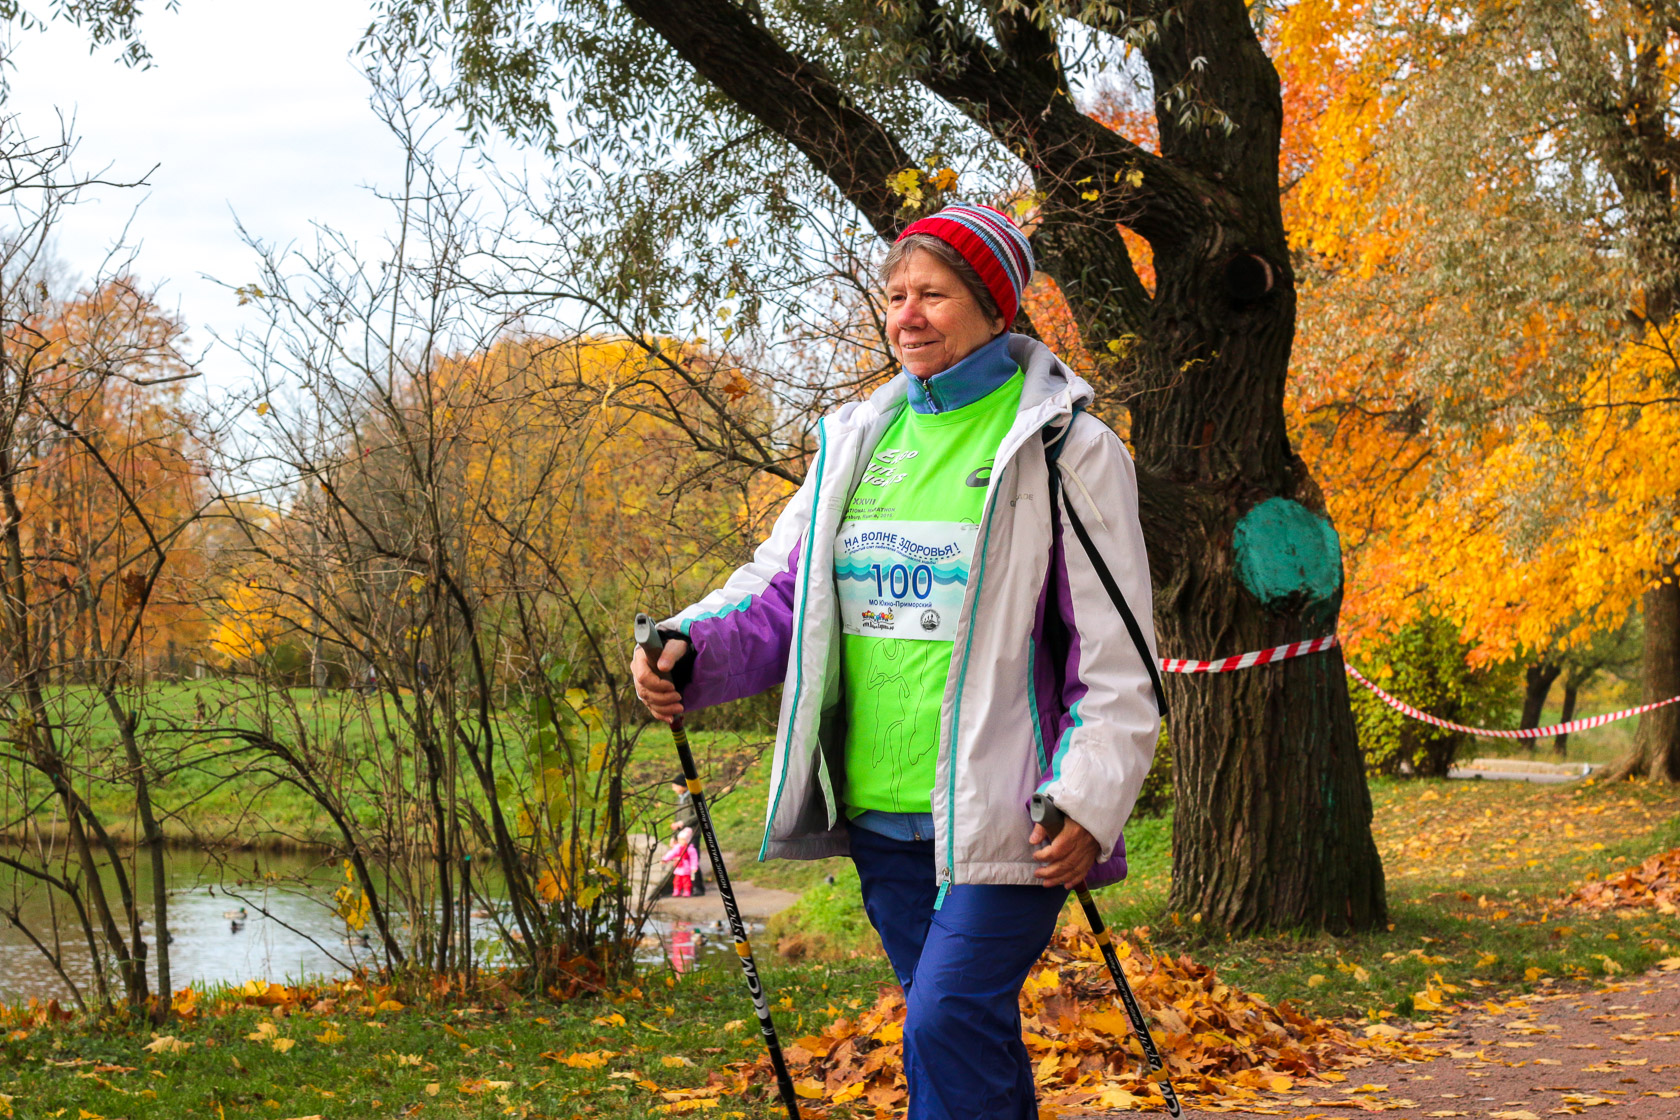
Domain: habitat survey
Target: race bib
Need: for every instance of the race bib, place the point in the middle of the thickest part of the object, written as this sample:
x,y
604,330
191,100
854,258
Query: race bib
x,y
903,579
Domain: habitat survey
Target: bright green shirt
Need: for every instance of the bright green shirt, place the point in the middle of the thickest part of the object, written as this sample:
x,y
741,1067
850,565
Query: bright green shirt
x,y
901,567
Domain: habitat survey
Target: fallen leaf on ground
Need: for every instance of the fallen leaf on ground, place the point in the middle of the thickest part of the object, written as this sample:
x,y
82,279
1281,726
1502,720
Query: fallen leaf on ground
x,y
584,1059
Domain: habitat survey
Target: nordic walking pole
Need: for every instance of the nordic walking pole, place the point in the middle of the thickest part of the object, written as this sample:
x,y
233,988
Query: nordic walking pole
x,y
1045,812
648,638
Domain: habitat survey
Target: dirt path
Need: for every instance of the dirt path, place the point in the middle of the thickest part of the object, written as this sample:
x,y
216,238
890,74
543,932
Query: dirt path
x,y
757,904
1612,1052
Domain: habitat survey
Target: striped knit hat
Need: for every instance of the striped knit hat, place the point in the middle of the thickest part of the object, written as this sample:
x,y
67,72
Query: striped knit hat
x,y
991,245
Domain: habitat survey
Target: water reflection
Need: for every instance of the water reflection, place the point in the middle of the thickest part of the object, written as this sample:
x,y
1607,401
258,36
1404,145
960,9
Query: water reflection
x,y
249,917
266,916
682,946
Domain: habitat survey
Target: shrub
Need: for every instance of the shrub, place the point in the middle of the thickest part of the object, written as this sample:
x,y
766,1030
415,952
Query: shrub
x,y
1156,797
1426,665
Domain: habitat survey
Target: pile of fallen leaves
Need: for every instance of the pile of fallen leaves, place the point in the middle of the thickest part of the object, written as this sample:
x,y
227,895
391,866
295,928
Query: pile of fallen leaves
x,y
1654,883
1225,1049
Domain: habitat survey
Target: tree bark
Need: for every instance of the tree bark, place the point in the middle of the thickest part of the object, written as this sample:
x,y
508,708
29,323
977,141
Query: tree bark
x,y
1273,816
1571,692
1656,746
1272,828
1540,677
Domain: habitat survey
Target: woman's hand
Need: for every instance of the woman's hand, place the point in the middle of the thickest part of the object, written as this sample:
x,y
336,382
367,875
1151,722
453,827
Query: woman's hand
x,y
1068,858
654,686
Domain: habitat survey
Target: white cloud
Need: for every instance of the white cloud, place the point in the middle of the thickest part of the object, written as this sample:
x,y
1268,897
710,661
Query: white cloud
x,y
252,108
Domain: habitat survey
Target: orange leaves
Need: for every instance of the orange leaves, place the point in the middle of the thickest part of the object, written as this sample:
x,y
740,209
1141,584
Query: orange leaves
x,y
185,1003
1224,1048
1532,524
736,388
1654,884
587,1059
265,993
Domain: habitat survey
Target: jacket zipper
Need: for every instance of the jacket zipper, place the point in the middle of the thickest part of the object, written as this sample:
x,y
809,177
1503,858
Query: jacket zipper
x,y
947,874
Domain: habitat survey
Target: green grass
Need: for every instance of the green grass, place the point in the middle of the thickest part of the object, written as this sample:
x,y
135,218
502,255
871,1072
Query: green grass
x,y
1484,882
1476,904
1476,872
220,800
428,1061
827,922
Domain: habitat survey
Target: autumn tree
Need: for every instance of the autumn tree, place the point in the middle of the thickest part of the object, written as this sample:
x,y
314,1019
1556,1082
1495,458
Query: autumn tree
x,y
101,490
456,500
1490,370
716,114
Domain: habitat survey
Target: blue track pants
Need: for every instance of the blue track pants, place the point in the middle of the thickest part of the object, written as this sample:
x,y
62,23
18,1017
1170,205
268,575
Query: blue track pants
x,y
962,967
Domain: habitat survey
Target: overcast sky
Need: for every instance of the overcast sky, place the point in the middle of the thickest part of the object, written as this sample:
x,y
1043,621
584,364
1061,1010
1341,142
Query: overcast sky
x,y
252,107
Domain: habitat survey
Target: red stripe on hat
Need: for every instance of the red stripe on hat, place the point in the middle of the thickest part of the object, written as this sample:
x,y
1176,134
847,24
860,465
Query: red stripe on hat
x,y
979,256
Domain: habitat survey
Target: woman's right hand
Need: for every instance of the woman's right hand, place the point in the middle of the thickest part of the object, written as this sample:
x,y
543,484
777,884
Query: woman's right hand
x,y
653,684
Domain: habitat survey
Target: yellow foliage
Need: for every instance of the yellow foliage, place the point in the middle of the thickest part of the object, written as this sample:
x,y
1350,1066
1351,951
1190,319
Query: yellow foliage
x,y
1530,530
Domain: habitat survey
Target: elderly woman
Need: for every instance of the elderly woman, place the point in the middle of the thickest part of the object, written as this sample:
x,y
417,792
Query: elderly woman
x,y
948,649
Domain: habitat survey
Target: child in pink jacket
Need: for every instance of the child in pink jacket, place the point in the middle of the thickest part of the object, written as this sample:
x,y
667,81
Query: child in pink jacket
x,y
687,859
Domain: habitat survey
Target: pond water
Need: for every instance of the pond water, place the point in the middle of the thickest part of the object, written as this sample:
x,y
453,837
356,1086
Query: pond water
x,y
254,916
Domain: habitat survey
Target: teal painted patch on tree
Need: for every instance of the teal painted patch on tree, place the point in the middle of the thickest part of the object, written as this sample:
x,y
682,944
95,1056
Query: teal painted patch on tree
x,y
1285,549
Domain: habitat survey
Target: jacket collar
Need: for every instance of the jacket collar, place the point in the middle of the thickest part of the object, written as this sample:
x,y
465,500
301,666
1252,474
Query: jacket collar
x,y
964,383
1047,379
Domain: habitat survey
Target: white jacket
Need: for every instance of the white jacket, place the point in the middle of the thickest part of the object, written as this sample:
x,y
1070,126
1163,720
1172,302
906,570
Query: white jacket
x,y
1046,693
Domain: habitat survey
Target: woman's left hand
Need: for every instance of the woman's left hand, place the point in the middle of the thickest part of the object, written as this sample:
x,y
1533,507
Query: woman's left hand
x,y
1068,858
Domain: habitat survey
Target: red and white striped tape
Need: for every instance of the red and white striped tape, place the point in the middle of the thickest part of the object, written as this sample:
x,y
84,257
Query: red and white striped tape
x,y
1247,660
1522,733
1316,645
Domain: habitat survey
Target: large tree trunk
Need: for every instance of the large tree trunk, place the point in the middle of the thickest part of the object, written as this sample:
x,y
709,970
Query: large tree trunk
x,y
1538,686
1656,746
1272,825
1272,818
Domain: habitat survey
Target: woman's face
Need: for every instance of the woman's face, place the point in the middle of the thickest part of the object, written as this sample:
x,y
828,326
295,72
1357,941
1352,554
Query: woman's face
x,y
933,320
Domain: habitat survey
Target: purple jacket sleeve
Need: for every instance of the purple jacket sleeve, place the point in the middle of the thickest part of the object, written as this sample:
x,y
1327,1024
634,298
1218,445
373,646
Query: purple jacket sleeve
x,y
740,634
1100,737
744,650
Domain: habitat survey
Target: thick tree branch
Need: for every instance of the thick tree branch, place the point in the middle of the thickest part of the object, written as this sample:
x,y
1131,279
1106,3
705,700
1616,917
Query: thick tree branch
x,y
794,97
1083,166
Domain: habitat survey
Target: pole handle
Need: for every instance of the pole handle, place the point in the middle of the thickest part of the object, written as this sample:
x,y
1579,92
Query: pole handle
x,y
647,636
1045,812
